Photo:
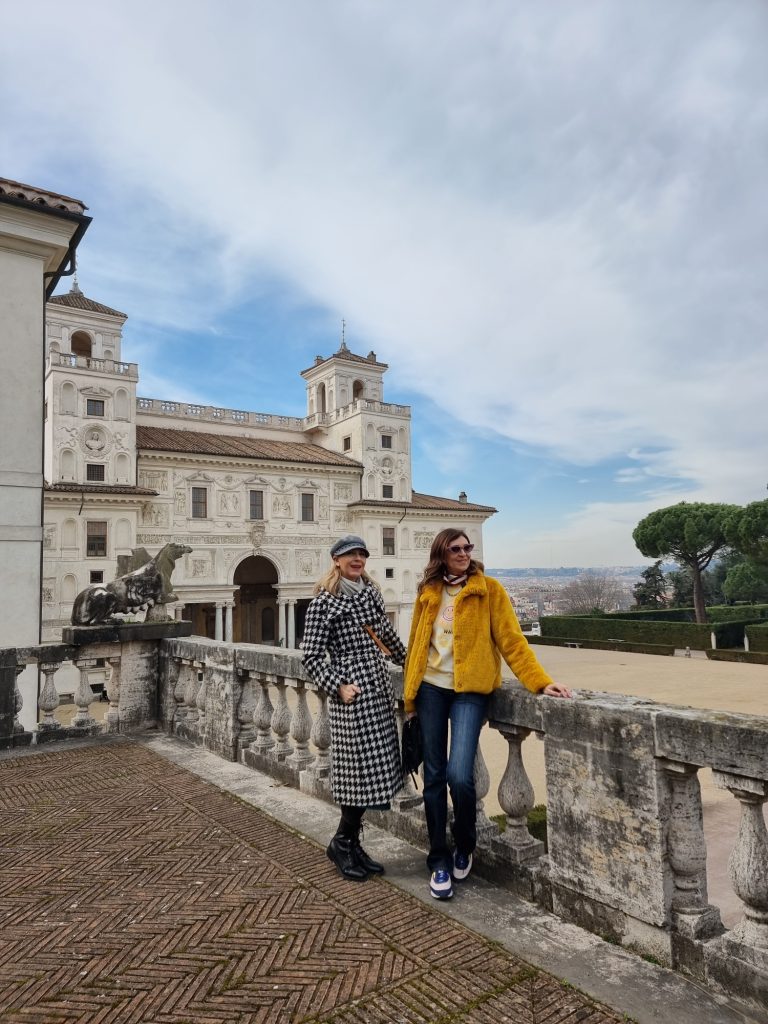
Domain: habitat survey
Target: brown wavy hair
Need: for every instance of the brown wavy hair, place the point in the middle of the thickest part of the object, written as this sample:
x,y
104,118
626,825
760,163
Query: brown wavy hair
x,y
436,565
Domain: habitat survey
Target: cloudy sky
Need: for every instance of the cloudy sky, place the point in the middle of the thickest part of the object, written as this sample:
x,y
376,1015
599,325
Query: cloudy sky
x,y
549,219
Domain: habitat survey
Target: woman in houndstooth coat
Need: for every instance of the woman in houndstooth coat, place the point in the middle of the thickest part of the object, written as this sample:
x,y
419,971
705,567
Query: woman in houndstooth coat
x,y
347,637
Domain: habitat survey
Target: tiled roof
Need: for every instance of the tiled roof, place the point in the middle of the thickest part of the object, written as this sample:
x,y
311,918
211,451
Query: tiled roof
x,y
427,501
197,442
344,353
41,197
76,300
90,488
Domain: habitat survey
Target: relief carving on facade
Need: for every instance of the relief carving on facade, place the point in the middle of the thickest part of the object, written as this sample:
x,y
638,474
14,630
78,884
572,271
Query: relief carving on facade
x,y
49,590
67,436
423,541
49,538
154,515
180,502
306,563
155,480
323,508
282,506
200,567
229,503
341,519
342,492
258,530
95,439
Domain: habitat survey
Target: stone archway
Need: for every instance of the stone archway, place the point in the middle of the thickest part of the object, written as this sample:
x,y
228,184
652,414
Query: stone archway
x,y
255,613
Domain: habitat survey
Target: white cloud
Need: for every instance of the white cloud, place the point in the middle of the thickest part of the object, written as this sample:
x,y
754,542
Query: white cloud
x,y
550,218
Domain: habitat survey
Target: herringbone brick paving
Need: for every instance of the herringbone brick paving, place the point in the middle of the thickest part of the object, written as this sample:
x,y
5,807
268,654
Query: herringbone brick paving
x,y
133,892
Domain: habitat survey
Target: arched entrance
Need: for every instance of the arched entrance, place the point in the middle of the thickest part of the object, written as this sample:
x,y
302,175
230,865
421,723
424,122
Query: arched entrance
x,y
255,613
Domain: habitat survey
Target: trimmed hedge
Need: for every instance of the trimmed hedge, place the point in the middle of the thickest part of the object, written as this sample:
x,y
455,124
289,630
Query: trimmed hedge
x,y
757,636
730,634
715,612
603,645
609,627
744,657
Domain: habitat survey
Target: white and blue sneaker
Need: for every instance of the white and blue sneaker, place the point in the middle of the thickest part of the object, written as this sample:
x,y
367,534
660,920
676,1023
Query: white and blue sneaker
x,y
440,885
462,865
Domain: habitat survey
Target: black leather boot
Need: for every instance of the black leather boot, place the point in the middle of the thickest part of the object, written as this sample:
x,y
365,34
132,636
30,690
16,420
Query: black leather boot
x,y
341,851
367,863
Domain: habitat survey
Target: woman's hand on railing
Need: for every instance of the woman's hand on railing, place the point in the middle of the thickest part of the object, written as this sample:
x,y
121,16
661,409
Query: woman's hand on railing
x,y
557,690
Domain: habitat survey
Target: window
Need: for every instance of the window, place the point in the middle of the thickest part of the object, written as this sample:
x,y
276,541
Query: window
x,y
94,407
97,576
387,491
307,508
199,503
94,472
389,574
388,540
96,534
346,444
386,440
257,504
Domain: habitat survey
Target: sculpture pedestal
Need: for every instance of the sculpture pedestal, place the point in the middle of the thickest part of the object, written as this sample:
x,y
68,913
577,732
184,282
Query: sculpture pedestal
x,y
124,632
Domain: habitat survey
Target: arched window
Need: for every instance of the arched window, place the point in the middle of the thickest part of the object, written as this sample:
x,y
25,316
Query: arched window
x,y
68,589
81,344
68,398
122,404
371,486
123,468
370,436
108,353
321,400
67,465
54,347
358,390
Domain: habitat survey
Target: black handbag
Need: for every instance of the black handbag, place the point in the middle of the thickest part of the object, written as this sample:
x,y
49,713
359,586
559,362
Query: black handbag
x,y
413,752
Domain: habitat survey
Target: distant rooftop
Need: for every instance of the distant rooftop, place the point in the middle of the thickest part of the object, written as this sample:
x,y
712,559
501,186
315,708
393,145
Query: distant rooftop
x,y
427,501
195,442
75,299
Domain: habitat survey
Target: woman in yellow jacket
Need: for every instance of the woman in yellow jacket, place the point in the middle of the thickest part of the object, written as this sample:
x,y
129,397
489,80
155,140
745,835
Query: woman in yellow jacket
x,y
463,624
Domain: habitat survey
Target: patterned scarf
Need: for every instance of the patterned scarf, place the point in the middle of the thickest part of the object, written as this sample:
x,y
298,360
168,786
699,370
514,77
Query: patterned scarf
x,y
454,581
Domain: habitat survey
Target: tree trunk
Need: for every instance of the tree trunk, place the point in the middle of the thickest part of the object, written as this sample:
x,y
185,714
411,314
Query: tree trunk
x,y
698,594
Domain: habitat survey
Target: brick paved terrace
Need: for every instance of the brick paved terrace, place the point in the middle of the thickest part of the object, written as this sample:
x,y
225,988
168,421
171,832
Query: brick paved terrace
x,y
134,891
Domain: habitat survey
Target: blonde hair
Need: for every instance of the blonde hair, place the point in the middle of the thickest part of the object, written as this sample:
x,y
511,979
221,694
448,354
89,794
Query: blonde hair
x,y
331,581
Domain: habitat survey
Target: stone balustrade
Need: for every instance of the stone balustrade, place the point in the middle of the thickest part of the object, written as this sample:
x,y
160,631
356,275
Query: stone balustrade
x,y
626,852
92,363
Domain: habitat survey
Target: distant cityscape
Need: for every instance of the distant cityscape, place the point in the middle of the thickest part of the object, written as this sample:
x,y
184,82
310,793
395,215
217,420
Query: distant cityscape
x,y
537,592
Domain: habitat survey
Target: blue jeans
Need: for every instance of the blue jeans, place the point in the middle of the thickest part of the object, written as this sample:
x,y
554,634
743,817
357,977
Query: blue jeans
x,y
466,712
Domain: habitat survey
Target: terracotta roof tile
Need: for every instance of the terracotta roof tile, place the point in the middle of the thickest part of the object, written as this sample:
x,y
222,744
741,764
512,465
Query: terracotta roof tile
x,y
352,357
427,501
40,197
90,488
196,442
76,300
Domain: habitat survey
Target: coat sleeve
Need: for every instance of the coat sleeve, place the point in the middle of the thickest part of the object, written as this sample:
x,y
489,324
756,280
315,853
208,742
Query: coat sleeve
x,y
410,683
389,635
315,647
511,642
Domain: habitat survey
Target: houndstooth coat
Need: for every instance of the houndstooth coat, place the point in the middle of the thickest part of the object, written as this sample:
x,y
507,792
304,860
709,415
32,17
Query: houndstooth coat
x,y
365,759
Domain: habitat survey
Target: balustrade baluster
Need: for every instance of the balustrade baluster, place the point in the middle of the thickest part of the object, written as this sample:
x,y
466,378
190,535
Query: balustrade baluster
x,y
321,737
84,695
516,799
262,718
301,730
180,689
18,701
281,722
486,829
687,853
748,863
113,693
246,709
190,693
200,699
48,700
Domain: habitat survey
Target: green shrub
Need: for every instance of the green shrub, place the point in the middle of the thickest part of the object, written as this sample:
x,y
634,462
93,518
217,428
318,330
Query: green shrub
x,y
730,634
758,638
537,823
610,627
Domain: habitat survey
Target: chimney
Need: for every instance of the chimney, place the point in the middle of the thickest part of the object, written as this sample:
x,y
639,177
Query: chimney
x,y
463,497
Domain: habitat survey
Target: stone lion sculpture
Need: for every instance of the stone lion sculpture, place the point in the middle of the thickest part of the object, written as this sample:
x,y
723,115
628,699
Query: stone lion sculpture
x,y
145,586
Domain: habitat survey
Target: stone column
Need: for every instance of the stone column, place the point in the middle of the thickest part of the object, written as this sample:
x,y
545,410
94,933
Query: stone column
x,y
516,800
282,633
49,698
228,613
292,622
219,632
84,695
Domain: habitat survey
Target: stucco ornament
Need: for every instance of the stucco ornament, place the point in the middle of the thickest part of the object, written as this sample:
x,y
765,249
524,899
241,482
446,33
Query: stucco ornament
x,y
95,440
145,586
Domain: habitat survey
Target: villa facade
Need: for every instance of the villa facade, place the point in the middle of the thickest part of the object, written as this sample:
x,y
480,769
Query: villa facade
x,y
258,497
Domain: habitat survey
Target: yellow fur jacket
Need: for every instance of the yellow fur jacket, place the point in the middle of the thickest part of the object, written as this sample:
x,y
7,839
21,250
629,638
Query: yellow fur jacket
x,y
485,628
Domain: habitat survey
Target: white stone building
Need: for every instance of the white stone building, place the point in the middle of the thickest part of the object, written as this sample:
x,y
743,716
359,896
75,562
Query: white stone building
x,y
259,497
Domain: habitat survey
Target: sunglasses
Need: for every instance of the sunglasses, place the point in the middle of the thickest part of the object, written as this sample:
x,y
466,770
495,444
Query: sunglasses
x,y
465,549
